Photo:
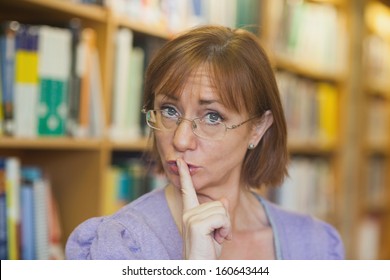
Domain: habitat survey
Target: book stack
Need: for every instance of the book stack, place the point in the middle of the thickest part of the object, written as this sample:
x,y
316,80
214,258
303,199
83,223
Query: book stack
x,y
127,181
177,15
127,91
50,81
29,224
309,189
311,109
312,35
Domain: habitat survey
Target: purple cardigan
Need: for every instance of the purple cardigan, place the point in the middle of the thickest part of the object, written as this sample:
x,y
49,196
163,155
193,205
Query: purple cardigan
x,y
145,229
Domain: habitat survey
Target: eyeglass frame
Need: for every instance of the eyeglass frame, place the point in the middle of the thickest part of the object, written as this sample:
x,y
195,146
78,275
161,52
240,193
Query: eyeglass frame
x,y
180,119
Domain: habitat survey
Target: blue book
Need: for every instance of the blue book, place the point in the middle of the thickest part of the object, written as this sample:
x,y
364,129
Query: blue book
x,y
30,175
28,251
8,33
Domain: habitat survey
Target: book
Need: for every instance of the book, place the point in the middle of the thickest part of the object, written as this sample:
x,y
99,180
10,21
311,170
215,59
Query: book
x,y
328,112
121,95
97,109
54,67
368,238
1,95
309,188
3,213
56,251
74,79
28,250
41,211
85,53
135,89
26,82
12,188
7,52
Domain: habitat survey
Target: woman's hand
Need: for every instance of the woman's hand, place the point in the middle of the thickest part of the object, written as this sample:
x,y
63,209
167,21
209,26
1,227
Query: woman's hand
x,y
205,226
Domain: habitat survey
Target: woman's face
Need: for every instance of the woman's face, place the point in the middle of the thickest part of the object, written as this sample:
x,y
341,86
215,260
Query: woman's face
x,y
215,165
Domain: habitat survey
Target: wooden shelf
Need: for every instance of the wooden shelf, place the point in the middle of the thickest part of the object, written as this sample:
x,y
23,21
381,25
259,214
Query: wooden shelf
x,y
375,88
306,70
133,145
141,27
50,143
310,148
90,12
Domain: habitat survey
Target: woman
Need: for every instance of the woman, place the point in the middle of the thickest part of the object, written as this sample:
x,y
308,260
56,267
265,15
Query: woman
x,y
219,133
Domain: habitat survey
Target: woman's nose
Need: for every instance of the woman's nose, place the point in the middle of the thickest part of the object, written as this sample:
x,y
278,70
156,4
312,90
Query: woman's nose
x,y
184,137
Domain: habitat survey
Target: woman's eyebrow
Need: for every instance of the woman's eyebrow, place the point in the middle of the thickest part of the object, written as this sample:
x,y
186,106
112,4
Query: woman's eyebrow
x,y
208,101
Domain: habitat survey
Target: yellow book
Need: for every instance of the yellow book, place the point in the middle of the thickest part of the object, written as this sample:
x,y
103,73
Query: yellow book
x,y
26,83
328,113
12,188
110,204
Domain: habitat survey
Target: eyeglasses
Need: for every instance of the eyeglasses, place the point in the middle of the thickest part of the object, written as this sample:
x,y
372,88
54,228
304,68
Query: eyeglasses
x,y
204,127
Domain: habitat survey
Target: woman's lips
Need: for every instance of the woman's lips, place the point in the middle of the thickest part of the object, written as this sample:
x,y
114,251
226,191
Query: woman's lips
x,y
173,168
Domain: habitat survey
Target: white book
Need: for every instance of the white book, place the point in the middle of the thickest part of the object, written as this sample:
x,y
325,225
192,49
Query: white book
x,y
26,84
41,219
135,82
97,114
124,42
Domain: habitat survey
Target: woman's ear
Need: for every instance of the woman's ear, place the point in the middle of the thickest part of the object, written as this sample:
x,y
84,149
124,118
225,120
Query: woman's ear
x,y
259,128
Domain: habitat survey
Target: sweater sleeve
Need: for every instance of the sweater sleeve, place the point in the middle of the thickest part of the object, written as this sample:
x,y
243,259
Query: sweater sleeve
x,y
107,238
334,245
100,238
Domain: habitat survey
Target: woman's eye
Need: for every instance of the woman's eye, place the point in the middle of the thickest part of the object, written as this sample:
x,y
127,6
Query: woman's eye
x,y
168,111
213,118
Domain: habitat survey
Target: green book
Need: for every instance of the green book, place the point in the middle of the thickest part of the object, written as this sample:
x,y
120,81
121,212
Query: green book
x,y
54,68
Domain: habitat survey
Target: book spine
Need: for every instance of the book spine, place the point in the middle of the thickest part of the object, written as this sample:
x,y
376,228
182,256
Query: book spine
x,y
54,68
12,174
27,222
84,68
7,52
3,213
26,82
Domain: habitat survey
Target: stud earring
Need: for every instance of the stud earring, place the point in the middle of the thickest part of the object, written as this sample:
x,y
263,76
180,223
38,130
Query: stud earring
x,y
251,146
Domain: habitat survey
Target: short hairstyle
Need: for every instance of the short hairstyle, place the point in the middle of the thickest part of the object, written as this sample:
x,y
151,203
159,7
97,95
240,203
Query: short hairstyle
x,y
244,80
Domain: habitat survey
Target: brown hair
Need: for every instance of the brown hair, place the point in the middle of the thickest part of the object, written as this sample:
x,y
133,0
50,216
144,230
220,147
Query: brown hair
x,y
244,79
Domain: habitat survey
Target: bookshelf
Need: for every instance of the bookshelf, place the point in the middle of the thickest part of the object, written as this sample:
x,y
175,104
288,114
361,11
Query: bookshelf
x,y
76,166
374,211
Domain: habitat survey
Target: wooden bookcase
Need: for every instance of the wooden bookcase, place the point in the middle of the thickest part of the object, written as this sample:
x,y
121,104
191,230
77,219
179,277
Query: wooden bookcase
x,y
76,167
374,210
348,156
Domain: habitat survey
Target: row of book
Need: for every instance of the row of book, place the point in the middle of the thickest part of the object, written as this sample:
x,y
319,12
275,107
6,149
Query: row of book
x,y
127,181
311,108
311,34
130,63
50,82
29,221
177,15
309,189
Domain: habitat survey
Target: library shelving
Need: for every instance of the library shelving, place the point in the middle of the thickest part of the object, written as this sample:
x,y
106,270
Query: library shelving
x,y
317,42
76,166
374,212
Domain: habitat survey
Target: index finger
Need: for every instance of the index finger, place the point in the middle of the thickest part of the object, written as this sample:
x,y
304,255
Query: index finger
x,y
190,200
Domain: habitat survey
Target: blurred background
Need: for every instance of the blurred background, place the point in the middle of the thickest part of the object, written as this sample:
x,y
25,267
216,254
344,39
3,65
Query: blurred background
x,y
72,138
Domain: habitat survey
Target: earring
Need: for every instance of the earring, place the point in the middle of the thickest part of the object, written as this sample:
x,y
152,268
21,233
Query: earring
x,y
251,146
